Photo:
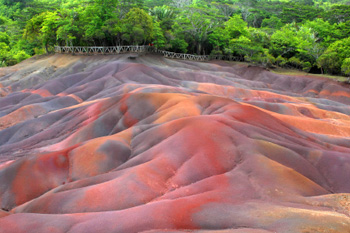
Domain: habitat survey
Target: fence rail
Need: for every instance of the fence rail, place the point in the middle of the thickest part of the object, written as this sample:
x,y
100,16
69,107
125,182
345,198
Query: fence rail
x,y
137,49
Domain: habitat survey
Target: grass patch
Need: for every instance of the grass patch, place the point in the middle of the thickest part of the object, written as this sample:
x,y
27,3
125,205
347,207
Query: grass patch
x,y
293,72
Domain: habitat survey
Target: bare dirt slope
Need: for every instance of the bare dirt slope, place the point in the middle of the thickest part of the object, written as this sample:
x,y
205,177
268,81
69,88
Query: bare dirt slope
x,y
108,144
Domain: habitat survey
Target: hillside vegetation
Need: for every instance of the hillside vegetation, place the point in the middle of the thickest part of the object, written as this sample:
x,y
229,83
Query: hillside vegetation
x,y
312,36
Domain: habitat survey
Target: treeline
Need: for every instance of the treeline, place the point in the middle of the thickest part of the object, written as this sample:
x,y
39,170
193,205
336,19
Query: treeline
x,y
310,35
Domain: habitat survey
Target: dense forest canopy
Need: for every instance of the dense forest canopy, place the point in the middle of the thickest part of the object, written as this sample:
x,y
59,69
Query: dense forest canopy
x,y
311,35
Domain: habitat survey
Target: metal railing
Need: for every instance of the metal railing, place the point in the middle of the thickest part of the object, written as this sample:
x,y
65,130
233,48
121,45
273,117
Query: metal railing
x,y
94,50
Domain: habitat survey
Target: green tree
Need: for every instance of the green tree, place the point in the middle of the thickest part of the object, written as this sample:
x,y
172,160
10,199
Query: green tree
x,y
4,37
219,40
196,23
179,45
137,27
162,12
284,42
4,50
342,30
164,15
332,59
93,19
308,47
274,22
158,36
256,18
245,49
68,30
124,6
338,14
225,8
296,12
236,27
177,39
325,32
43,27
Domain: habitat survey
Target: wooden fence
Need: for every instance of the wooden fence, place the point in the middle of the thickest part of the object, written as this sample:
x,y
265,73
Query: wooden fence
x,y
137,49
101,49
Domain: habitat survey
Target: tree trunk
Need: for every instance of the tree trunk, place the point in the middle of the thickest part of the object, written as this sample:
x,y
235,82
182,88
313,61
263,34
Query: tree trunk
x,y
199,48
47,48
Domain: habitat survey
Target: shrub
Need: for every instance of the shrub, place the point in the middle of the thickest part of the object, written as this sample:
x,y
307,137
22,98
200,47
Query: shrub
x,y
345,68
306,66
20,56
281,61
295,62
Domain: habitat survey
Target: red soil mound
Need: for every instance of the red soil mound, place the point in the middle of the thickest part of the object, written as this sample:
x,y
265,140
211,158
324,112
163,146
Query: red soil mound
x,y
105,145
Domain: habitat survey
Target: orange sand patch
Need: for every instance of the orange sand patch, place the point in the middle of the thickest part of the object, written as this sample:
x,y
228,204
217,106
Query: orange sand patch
x,y
339,128
24,113
79,100
235,92
41,92
337,93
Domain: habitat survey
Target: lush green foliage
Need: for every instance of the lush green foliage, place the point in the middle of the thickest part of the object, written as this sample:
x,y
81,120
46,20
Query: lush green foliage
x,y
310,35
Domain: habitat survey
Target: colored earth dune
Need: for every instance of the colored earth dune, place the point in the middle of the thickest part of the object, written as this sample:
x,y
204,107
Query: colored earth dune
x,y
108,144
